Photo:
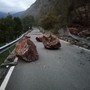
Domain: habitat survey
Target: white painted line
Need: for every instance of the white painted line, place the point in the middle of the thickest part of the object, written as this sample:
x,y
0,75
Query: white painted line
x,y
75,45
63,41
83,48
4,83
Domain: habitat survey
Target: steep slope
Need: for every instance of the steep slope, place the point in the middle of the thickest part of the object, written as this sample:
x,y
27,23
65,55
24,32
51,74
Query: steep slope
x,y
67,12
42,7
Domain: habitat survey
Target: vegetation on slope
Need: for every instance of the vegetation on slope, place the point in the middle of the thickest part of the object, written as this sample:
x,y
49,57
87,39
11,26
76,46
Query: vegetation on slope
x,y
10,28
65,13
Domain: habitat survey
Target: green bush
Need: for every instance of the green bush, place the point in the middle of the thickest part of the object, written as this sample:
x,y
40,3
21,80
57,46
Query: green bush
x,y
28,22
10,28
48,22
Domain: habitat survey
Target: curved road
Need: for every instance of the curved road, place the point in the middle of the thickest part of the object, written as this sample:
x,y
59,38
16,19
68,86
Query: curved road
x,y
65,69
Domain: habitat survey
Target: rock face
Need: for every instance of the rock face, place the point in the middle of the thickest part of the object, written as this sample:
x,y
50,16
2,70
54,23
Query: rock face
x,y
51,42
26,50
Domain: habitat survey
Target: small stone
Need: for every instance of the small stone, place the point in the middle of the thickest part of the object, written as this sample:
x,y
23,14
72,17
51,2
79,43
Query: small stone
x,y
39,39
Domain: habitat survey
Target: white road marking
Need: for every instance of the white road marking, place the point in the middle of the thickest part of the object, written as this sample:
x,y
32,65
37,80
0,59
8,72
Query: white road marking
x,y
75,45
4,83
63,41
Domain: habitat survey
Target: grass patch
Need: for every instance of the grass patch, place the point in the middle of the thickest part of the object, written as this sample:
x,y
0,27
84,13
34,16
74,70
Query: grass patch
x,y
5,54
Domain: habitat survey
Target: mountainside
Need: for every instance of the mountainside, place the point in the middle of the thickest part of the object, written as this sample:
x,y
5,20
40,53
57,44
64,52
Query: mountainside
x,y
2,14
42,7
58,13
69,9
18,14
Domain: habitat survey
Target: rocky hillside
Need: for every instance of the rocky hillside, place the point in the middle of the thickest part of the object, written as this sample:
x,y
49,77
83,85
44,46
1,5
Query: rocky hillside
x,y
42,7
69,9
73,13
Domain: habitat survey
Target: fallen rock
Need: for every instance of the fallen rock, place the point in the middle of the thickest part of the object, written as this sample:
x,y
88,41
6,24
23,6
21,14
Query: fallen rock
x,y
73,30
51,42
84,33
11,57
26,50
39,39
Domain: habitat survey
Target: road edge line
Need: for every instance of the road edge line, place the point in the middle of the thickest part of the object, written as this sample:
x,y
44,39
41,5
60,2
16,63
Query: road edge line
x,y
6,79
75,45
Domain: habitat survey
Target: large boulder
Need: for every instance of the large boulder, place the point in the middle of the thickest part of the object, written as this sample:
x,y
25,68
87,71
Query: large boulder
x,y
51,42
26,50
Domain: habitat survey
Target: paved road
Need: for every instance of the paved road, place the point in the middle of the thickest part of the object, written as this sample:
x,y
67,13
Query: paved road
x,y
65,69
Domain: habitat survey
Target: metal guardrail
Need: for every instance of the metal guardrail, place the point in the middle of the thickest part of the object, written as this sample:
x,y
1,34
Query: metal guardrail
x,y
4,48
8,66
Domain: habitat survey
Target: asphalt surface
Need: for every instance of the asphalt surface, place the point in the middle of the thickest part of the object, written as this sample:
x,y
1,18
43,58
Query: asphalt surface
x,y
65,69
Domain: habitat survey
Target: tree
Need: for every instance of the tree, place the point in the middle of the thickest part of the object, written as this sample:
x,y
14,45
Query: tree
x,y
6,27
10,28
48,22
28,21
18,28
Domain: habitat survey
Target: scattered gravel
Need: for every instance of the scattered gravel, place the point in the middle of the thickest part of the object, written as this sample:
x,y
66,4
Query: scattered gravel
x,y
76,42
